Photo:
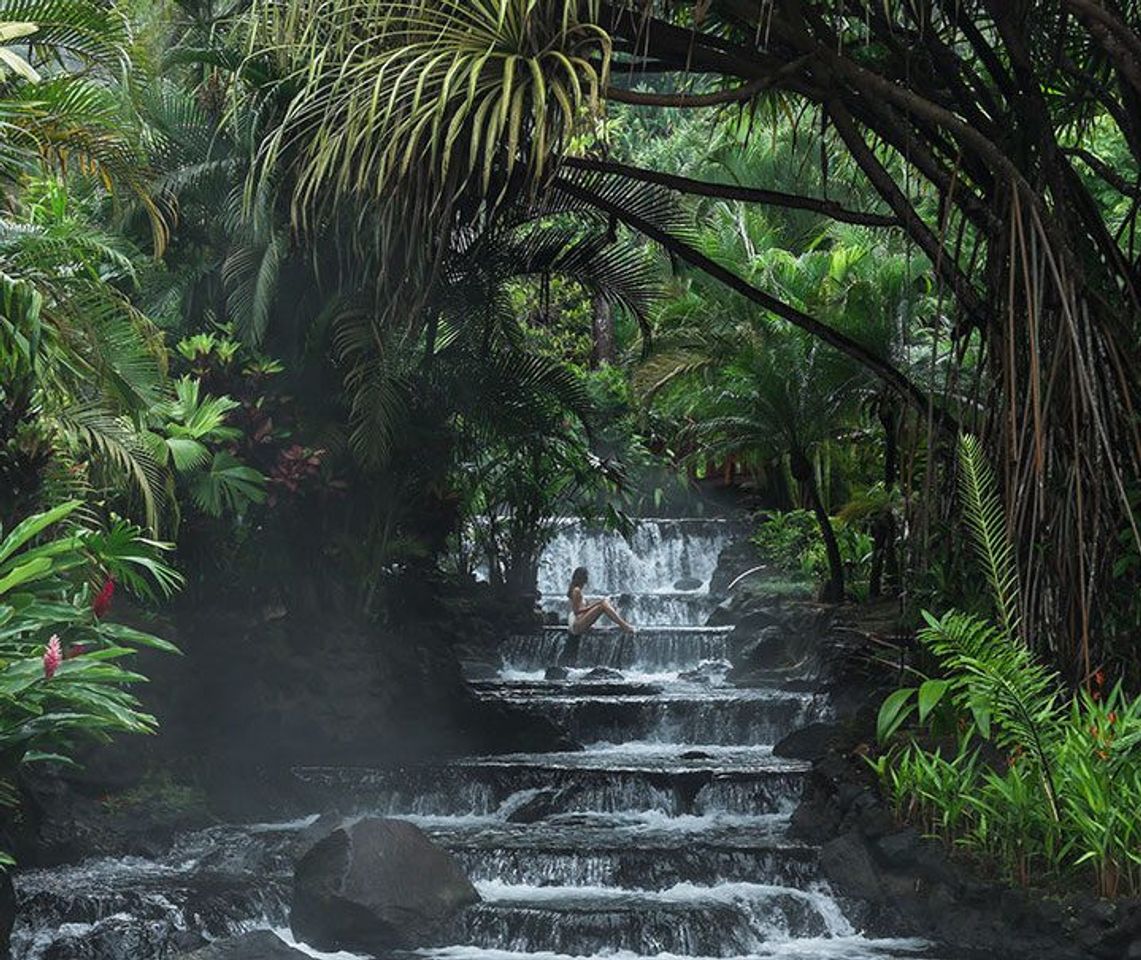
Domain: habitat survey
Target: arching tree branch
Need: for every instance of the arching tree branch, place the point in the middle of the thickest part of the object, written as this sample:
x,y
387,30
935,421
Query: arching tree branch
x,y
729,191
892,377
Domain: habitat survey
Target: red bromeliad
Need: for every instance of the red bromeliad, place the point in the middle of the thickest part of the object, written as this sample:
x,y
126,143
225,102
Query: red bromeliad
x,y
102,602
53,657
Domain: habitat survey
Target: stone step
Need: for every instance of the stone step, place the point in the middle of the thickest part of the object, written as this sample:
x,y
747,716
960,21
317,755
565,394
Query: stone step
x,y
649,851
720,920
651,649
536,786
678,715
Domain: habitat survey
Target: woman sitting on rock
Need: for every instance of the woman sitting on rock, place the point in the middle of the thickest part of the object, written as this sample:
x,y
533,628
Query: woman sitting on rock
x,y
584,613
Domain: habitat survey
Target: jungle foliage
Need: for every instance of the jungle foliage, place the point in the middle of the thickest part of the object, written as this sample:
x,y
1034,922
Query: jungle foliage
x,y
378,289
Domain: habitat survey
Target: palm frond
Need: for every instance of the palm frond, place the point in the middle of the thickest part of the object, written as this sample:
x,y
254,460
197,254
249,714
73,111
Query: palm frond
x,y
114,442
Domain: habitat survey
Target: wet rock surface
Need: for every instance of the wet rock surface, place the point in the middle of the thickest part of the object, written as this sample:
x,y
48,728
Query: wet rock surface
x,y
255,945
376,884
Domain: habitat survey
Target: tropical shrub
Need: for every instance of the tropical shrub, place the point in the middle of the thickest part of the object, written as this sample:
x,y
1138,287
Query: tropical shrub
x,y
1059,795
791,541
62,677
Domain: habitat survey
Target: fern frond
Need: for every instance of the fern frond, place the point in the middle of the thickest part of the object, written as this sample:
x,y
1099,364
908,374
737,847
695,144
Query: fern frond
x,y
1003,683
986,522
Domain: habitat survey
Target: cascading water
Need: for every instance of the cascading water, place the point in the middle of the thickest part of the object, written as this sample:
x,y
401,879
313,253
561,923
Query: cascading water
x,y
667,836
659,576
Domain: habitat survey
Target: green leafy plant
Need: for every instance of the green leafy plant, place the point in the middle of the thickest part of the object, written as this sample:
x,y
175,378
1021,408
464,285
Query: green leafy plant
x,y
791,541
62,677
1063,796
190,430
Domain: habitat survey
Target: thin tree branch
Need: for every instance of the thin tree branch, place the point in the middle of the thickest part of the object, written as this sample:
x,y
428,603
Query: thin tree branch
x,y
690,100
1105,171
729,191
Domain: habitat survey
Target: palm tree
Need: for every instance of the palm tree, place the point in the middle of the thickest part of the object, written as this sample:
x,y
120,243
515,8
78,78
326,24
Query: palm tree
x,y
767,392
81,365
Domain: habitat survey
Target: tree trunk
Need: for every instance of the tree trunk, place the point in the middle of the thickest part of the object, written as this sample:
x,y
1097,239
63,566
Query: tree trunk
x,y
834,588
883,528
605,351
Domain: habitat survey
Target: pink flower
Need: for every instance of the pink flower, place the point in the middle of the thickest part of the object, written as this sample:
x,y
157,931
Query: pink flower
x,y
102,602
53,657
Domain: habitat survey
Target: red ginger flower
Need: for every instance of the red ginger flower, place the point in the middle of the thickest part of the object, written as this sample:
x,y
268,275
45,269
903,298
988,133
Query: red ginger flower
x,y
53,657
102,602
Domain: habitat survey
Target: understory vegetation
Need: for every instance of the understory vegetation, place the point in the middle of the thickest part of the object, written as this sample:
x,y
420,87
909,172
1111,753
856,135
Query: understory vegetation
x,y
340,303
1041,783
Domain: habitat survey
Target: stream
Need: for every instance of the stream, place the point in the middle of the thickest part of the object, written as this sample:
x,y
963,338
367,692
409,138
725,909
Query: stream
x,y
667,836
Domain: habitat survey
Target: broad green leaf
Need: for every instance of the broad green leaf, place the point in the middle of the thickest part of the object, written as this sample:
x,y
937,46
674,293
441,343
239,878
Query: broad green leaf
x,y
981,711
931,692
897,707
33,526
130,635
187,454
25,572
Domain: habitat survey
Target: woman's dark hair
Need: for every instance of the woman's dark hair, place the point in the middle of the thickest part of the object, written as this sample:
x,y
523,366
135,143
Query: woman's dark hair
x,y
578,579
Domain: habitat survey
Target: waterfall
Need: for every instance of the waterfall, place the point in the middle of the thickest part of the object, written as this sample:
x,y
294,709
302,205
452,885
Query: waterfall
x,y
668,835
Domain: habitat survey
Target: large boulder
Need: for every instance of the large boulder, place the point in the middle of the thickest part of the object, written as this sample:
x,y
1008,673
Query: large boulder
x,y
376,884
255,945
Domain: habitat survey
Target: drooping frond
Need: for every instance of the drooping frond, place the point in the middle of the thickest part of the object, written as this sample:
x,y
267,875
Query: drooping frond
x,y
430,91
115,443
85,31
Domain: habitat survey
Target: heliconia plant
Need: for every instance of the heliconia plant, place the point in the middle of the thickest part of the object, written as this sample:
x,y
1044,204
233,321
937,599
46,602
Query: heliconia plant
x,y
62,677
1064,796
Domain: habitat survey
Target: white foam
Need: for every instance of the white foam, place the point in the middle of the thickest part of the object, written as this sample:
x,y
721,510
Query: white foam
x,y
284,826
287,935
813,948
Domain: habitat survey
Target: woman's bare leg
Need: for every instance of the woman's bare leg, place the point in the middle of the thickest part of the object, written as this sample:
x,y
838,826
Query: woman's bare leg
x,y
587,620
614,615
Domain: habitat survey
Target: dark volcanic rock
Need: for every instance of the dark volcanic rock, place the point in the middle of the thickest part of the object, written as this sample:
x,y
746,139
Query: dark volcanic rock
x,y
809,743
117,937
7,911
755,620
479,670
735,559
556,673
376,884
256,945
688,583
603,673
847,858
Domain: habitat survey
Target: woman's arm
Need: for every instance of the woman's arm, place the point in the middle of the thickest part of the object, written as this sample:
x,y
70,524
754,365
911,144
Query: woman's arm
x,y
579,604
